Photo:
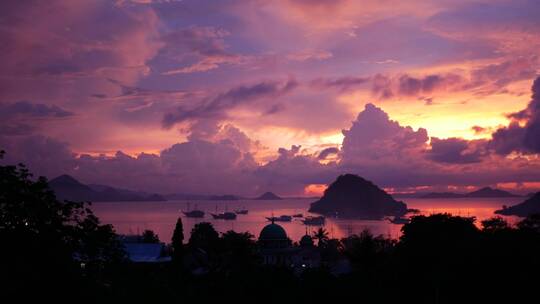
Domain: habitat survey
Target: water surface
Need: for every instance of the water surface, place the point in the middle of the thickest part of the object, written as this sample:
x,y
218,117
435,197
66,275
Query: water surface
x,y
134,217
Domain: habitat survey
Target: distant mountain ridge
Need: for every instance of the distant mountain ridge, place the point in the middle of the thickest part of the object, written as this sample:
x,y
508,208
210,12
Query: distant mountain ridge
x,y
268,196
68,188
480,193
203,197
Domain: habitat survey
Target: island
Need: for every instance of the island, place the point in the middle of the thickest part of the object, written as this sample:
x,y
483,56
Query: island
x,y
490,192
526,208
351,196
268,196
67,187
485,192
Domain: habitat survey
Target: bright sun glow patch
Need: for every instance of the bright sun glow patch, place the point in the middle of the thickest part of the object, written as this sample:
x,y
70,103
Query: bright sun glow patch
x,y
314,189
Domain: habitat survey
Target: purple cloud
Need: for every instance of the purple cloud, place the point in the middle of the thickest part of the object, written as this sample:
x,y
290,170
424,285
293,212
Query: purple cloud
x,y
327,152
373,136
218,159
455,151
412,86
217,106
515,137
22,117
32,110
342,83
203,46
42,155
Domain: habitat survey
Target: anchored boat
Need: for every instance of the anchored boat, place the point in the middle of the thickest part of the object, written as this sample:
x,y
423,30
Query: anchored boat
x,y
314,220
224,216
283,218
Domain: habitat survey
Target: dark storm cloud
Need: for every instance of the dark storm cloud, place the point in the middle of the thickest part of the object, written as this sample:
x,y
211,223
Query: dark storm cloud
x,y
31,110
327,152
42,155
342,83
482,81
387,87
217,106
523,132
455,151
22,117
412,86
16,129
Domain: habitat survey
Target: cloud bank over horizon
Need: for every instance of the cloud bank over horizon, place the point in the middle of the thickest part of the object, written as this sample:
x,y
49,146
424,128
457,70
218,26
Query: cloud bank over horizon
x,y
220,159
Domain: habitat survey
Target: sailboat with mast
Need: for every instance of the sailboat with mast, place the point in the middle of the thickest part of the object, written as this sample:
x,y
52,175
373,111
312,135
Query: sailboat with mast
x,y
227,215
195,213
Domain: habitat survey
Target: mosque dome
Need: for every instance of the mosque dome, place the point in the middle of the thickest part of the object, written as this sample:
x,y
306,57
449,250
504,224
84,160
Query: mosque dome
x,y
273,232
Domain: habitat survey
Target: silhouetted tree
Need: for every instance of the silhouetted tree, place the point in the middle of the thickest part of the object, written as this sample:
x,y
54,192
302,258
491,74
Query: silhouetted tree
x,y
366,251
98,243
148,236
48,241
495,224
204,236
530,223
321,235
330,250
238,250
438,231
178,240
437,252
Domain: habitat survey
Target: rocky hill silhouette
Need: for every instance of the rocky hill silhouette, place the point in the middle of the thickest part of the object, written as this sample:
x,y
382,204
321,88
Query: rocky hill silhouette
x,y
352,196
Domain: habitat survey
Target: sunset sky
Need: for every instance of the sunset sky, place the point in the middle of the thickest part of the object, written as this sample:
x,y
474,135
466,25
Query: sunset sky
x,y
247,96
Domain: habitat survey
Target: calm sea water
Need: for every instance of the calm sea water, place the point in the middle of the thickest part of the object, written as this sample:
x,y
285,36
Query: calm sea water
x,y
134,217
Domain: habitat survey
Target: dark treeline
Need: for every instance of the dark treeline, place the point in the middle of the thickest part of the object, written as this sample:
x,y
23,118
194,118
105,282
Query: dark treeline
x,y
59,250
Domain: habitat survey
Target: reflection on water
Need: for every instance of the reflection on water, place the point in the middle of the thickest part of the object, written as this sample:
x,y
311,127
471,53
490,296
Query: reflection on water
x,y
134,217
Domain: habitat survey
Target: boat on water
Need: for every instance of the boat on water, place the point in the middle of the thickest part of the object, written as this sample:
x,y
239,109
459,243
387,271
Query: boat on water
x,y
283,218
314,220
224,216
399,220
241,211
194,213
298,215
